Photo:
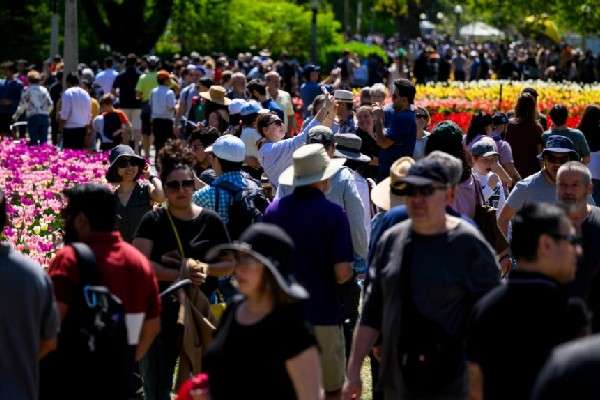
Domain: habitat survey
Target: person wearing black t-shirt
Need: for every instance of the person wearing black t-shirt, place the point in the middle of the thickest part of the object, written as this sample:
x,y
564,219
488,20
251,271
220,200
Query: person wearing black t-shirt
x,y
263,348
174,256
124,85
514,328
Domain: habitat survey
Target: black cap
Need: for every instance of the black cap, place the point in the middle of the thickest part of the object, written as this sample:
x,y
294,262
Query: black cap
x,y
499,119
426,172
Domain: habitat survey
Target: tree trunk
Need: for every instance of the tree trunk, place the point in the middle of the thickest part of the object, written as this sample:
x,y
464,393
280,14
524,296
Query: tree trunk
x,y
71,50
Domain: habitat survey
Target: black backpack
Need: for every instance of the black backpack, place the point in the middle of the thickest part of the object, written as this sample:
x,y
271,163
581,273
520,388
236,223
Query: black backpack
x,y
247,207
93,359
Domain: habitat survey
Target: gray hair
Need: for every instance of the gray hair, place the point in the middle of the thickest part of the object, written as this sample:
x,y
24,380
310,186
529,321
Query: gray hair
x,y
576,166
378,90
453,164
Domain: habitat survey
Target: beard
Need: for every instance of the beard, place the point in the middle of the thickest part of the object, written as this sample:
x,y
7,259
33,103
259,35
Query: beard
x,y
571,206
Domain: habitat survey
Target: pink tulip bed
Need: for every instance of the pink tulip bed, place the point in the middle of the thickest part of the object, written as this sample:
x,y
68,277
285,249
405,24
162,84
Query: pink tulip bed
x,y
33,178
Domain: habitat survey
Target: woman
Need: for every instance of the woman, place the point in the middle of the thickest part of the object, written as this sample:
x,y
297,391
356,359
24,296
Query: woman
x,y
134,199
524,134
422,117
218,119
590,126
369,147
263,348
199,141
176,239
481,125
37,105
275,152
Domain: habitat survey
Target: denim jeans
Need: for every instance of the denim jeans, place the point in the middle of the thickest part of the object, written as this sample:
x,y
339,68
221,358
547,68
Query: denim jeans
x,y
37,126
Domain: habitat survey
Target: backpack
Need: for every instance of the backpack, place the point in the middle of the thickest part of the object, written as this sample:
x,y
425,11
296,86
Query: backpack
x,y
93,359
247,207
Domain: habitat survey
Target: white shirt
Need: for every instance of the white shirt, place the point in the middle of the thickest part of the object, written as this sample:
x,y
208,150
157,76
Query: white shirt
x,y
493,196
162,102
76,108
250,136
105,79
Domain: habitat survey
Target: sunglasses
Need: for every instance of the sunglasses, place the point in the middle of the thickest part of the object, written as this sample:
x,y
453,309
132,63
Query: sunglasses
x,y
176,185
277,122
421,116
553,159
414,190
126,162
572,239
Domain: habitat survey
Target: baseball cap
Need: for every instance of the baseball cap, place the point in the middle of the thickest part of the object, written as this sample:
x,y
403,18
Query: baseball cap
x,y
311,68
484,148
499,119
559,144
251,107
228,147
163,74
236,106
426,172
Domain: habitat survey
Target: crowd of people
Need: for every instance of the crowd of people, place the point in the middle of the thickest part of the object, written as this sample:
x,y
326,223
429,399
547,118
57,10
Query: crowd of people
x,y
254,246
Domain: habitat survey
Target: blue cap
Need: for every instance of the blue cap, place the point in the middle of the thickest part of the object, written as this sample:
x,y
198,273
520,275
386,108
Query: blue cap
x,y
560,144
251,107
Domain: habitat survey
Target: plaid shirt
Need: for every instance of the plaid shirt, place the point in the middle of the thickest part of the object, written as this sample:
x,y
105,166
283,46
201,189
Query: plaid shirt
x,y
205,197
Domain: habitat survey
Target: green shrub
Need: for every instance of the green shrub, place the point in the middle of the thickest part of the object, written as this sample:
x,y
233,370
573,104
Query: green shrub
x,y
329,54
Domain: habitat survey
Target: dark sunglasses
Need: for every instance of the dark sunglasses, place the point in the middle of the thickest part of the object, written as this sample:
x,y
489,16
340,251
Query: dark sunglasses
x,y
276,122
553,159
125,162
414,190
176,185
573,239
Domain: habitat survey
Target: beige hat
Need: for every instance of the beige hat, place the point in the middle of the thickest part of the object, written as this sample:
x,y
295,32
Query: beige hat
x,y
216,94
311,164
344,96
381,195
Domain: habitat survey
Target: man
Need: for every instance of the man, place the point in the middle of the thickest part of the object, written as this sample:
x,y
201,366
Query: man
x,y
238,87
10,95
541,186
396,127
283,98
186,97
250,136
143,89
344,102
124,88
106,77
226,156
321,234
258,91
90,216
571,372
559,115
514,328
459,63
573,188
426,274
162,104
311,88
30,319
75,113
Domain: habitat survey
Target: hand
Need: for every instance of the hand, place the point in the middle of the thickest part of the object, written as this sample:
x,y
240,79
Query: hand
x,y
197,271
493,181
352,389
146,172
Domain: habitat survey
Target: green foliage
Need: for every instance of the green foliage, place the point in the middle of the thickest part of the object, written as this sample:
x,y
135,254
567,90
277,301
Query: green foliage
x,y
231,26
26,27
329,54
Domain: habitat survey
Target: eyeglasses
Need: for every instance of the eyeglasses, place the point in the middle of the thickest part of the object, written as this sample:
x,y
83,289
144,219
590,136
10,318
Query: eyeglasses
x,y
125,162
554,159
176,185
414,190
573,239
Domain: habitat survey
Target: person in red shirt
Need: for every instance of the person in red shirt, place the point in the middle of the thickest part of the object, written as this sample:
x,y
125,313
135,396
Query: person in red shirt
x,y
90,216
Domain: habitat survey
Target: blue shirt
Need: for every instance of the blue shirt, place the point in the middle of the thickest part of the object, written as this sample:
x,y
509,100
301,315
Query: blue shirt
x,y
401,127
205,197
10,90
271,105
320,231
308,92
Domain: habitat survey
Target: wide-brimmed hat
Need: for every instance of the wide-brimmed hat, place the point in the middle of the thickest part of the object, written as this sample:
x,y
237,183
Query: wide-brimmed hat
x,y
120,151
311,164
348,145
344,96
273,248
383,195
216,94
560,144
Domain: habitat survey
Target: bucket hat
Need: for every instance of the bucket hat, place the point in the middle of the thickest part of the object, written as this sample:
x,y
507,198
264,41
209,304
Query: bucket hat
x,y
311,164
118,152
348,145
383,195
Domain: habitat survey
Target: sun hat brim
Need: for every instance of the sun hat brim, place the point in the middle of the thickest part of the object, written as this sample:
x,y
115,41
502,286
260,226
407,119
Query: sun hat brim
x,y
288,285
288,178
112,175
206,96
352,155
382,196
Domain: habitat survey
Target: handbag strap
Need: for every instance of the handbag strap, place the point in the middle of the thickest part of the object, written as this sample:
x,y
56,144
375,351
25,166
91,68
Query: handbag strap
x,y
174,228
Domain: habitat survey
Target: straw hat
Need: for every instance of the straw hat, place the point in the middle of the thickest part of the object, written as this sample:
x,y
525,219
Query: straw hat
x,y
382,195
311,164
216,94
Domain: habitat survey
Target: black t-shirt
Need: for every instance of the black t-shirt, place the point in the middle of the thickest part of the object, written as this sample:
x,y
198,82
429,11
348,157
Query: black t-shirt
x,y
126,82
588,265
370,148
513,329
248,361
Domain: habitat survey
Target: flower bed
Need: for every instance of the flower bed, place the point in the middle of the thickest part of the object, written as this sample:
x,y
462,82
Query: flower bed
x,y
33,179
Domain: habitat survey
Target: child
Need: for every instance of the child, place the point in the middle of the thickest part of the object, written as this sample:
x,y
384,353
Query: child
x,y
485,168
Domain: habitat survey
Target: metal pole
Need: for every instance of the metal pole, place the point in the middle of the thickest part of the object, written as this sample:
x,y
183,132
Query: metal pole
x,y
71,51
313,36
54,28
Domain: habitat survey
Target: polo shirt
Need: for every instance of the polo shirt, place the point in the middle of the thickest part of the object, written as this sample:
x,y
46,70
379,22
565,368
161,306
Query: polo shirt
x,y
512,331
145,84
123,269
308,92
401,127
272,106
105,79
321,234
